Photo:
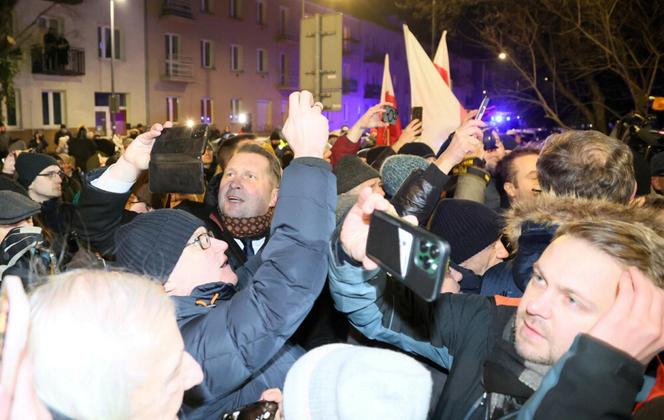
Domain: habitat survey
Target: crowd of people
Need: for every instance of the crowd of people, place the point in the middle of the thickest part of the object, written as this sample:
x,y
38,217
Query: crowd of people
x,y
122,303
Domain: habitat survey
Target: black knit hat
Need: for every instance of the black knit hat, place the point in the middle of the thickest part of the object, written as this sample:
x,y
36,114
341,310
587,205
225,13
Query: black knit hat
x,y
15,207
468,226
418,149
351,172
151,244
374,152
29,165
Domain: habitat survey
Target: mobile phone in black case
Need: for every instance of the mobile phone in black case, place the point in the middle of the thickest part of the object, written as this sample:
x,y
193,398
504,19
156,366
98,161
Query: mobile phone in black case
x,y
412,255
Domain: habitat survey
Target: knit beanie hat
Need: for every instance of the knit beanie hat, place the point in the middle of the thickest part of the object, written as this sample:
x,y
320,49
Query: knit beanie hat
x,y
466,225
340,381
351,172
417,149
374,152
17,145
397,168
15,207
29,165
152,243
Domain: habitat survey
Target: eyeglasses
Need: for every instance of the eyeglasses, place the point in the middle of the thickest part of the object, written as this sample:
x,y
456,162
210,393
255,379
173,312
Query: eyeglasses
x,y
54,174
204,240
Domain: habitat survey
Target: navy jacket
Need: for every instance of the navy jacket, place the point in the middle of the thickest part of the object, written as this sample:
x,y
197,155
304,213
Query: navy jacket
x,y
237,336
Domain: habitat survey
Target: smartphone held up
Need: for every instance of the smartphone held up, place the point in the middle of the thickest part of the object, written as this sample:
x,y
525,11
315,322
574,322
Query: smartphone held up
x,y
412,255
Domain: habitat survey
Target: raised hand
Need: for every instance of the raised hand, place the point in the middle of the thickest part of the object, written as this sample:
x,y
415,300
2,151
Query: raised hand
x,y
370,119
355,229
409,134
635,322
306,129
467,140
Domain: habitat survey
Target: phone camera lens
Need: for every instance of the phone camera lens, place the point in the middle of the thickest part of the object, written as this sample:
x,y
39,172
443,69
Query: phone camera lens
x,y
435,251
424,246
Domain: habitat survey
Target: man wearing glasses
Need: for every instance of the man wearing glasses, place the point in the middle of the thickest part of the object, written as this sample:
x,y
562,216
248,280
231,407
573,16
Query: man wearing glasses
x,y
42,177
236,325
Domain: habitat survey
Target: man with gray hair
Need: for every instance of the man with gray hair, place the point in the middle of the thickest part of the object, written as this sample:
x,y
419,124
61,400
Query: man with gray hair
x,y
106,345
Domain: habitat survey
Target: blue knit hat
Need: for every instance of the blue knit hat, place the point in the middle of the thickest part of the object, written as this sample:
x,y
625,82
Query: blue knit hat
x,y
397,168
152,243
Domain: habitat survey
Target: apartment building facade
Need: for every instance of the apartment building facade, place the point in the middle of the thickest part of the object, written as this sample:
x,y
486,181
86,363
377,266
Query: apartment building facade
x,y
65,74
221,62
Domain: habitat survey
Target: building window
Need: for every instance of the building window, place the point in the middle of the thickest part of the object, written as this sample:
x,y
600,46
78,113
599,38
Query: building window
x,y
236,107
236,58
283,69
261,60
52,105
46,22
207,54
235,9
104,42
206,6
172,108
260,12
11,108
283,20
206,111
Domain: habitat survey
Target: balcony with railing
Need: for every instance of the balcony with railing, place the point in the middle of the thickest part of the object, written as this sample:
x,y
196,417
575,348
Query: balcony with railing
x,y
178,69
349,86
372,90
58,61
180,8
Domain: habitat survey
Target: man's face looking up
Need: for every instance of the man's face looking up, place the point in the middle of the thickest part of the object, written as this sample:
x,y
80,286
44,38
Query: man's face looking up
x,y
247,188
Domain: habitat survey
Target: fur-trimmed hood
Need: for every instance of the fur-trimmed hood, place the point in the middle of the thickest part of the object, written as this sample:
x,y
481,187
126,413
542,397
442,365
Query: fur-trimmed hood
x,y
548,211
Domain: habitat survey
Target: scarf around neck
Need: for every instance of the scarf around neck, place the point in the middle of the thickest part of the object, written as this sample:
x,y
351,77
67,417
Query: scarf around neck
x,y
248,227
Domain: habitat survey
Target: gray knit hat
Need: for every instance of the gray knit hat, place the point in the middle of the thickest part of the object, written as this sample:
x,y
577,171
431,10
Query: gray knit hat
x,y
15,207
351,172
152,243
397,168
344,382
29,165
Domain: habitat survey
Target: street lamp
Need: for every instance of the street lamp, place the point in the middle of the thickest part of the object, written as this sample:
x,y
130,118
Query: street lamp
x,y
112,101
502,56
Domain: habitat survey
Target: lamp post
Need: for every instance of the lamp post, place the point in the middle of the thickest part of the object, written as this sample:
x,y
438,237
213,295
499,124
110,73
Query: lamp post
x,y
112,100
433,28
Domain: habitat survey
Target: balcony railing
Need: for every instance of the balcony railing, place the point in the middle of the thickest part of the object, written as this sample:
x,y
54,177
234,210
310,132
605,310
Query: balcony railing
x,y
349,85
180,8
58,61
372,90
179,69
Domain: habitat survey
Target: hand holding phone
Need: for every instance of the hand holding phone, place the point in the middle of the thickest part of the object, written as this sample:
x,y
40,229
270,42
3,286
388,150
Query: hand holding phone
x,y
414,256
416,114
175,160
482,109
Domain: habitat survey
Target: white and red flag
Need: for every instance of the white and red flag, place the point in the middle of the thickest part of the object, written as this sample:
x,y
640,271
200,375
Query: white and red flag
x,y
388,135
442,113
442,60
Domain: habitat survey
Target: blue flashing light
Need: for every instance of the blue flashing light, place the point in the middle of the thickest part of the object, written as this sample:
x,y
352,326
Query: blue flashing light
x,y
508,118
499,118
